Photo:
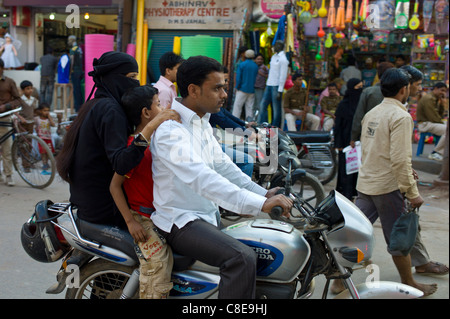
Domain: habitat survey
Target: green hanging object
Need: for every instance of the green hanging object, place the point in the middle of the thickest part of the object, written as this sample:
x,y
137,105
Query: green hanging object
x,y
401,14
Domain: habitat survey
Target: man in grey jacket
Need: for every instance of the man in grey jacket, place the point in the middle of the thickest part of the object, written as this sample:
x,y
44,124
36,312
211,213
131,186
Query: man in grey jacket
x,y
370,98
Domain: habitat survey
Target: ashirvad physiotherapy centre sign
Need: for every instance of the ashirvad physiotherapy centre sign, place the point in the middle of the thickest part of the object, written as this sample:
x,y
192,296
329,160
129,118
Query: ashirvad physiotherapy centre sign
x,y
191,14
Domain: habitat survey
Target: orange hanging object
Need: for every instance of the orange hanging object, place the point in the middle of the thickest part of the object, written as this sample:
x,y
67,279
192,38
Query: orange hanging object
x,y
349,12
340,17
363,10
331,22
320,33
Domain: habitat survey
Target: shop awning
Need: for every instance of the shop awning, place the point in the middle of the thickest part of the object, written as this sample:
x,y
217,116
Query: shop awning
x,y
41,3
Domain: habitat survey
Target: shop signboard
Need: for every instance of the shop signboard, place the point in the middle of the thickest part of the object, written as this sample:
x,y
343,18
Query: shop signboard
x,y
273,9
192,14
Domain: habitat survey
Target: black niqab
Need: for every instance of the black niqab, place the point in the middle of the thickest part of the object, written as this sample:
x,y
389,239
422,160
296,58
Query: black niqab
x,y
109,74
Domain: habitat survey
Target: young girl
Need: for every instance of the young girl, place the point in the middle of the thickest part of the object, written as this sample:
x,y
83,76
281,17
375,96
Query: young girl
x,y
142,107
9,55
43,123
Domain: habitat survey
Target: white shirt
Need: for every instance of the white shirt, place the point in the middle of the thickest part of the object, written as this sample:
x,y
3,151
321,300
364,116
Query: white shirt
x,y
278,71
192,176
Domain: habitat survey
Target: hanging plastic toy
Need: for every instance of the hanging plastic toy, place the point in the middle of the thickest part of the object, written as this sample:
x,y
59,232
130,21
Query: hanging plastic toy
x,y
340,17
322,11
320,33
331,22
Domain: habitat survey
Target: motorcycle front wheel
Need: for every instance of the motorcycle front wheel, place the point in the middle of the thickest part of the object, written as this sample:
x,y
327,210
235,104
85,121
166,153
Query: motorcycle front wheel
x,y
100,279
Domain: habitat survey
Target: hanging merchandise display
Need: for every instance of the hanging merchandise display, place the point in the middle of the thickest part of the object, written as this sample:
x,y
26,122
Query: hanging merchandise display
x,y
414,22
401,14
349,12
320,33
441,9
427,13
280,34
340,16
304,16
322,11
314,12
290,33
363,10
356,21
331,22
329,40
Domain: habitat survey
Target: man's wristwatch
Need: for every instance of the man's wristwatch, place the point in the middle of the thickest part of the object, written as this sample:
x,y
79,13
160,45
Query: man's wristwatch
x,y
140,140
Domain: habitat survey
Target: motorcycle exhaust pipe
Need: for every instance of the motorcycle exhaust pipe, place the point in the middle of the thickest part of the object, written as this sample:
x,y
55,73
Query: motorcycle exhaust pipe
x,y
132,285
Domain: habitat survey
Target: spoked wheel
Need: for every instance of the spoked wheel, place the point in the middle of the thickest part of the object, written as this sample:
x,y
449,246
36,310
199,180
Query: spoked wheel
x,y
33,160
320,162
306,186
100,279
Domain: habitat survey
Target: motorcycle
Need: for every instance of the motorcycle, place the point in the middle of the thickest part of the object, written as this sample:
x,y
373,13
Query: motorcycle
x,y
337,238
316,153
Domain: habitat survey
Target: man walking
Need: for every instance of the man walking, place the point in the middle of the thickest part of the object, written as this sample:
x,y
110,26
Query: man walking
x,y
245,86
386,177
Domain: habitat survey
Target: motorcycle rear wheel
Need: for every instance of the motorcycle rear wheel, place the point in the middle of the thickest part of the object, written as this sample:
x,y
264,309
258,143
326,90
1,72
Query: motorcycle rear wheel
x,y
101,279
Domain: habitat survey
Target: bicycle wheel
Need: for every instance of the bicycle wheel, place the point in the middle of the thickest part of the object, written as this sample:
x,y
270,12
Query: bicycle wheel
x,y
28,160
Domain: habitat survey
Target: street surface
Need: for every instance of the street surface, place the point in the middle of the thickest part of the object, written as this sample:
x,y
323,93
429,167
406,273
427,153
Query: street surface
x,y
23,277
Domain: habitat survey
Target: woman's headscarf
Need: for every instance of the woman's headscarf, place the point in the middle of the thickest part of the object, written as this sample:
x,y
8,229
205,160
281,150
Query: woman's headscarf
x,y
347,106
109,74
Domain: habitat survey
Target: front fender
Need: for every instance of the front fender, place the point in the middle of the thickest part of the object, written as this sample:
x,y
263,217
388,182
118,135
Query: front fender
x,y
383,290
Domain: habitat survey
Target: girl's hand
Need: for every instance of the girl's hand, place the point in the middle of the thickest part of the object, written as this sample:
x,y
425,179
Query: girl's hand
x,y
137,231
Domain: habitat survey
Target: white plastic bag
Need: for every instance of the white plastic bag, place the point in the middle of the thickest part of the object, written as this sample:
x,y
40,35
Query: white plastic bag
x,y
352,158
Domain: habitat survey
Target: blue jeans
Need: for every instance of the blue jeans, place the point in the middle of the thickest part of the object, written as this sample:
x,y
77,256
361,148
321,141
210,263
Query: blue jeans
x,y
241,159
270,97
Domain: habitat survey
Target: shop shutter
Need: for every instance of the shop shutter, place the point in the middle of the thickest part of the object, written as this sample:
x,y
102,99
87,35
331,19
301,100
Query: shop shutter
x,y
163,42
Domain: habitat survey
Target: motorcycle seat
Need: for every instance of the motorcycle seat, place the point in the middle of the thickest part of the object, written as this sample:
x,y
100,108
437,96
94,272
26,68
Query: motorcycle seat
x,y
109,236
300,137
121,239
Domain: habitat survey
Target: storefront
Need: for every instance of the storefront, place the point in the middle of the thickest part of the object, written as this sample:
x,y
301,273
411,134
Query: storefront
x,y
194,27
382,30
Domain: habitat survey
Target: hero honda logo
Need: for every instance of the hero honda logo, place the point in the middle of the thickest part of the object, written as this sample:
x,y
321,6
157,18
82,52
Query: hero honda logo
x,y
269,257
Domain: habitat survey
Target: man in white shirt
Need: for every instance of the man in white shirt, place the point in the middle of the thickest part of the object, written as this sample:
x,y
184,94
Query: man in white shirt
x,y
168,66
273,92
192,177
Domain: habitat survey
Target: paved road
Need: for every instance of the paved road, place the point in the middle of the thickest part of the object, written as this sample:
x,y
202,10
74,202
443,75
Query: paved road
x,y
22,277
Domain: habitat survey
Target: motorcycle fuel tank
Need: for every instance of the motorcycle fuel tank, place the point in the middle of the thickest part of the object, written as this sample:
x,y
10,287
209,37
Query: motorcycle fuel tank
x,y
282,251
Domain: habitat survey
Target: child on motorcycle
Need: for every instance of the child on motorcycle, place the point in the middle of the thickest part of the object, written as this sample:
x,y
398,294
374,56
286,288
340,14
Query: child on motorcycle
x,y
143,109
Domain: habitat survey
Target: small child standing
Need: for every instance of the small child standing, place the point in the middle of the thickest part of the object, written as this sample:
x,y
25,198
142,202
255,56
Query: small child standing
x,y
143,110
43,123
29,106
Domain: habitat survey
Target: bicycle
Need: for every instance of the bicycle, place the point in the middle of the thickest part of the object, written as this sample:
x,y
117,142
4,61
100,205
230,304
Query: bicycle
x,y
26,152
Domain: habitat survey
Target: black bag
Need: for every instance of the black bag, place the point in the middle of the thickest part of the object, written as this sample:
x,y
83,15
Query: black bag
x,y
404,232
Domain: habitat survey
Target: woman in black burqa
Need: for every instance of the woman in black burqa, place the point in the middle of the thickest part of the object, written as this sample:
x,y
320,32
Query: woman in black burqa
x,y
96,144
346,184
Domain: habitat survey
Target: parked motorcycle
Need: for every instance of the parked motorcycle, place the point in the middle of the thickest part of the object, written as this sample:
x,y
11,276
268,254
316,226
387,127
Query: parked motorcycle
x,y
316,153
271,156
337,238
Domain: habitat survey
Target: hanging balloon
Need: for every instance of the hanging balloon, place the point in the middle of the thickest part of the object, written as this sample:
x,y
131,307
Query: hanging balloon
x,y
322,11
320,33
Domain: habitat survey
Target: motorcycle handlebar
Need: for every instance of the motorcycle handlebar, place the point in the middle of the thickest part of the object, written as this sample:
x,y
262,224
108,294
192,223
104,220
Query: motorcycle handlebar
x,y
277,211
